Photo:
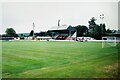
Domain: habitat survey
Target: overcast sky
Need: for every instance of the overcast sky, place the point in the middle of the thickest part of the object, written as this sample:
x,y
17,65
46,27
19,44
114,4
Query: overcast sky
x,y
45,15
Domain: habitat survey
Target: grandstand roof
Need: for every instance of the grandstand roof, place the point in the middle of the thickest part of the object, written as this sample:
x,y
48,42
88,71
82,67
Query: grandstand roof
x,y
63,27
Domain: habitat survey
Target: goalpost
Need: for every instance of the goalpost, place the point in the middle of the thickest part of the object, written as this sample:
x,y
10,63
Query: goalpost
x,y
109,41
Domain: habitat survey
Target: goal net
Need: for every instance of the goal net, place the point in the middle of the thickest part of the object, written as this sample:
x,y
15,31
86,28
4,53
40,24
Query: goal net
x,y
109,42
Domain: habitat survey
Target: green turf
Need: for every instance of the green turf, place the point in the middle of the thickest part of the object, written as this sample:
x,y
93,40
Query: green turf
x,y
0,59
33,59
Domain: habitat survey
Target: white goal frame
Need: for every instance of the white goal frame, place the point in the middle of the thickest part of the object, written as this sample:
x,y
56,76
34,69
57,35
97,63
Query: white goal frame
x,y
109,39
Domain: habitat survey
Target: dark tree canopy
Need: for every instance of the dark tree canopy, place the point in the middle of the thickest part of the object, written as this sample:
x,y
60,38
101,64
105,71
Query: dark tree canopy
x,y
96,31
109,31
31,33
21,36
93,19
10,32
43,34
103,29
92,23
82,30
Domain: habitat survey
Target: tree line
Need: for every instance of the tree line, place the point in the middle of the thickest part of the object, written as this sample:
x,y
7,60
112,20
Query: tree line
x,y
93,30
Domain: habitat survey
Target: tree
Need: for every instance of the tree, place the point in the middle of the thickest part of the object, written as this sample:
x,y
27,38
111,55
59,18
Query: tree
x,y
109,31
10,32
43,33
31,33
82,30
92,23
96,31
103,29
21,36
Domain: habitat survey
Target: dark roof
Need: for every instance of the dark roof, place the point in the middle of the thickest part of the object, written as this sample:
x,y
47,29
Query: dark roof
x,y
63,27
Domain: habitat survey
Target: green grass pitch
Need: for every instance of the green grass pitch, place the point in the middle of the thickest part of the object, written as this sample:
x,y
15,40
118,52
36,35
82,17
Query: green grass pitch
x,y
33,59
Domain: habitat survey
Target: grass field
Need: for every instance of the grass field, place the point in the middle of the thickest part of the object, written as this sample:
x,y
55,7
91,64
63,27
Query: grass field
x,y
32,59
